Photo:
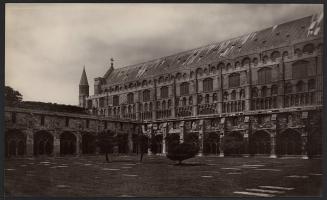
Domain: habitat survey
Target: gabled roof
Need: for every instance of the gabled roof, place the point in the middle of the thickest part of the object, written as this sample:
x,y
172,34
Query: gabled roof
x,y
300,29
83,80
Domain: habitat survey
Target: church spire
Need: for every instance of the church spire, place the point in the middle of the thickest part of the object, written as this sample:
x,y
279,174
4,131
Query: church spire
x,y
83,80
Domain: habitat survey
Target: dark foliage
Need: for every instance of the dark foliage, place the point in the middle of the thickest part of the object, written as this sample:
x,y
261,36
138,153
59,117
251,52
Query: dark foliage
x,y
106,141
12,97
182,152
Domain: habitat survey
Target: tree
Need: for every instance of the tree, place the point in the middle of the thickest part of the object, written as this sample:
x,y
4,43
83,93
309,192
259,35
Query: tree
x,y
180,151
12,97
106,141
143,145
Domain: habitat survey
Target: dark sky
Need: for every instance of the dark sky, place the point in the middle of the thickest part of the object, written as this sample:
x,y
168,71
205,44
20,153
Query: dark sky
x,y
47,45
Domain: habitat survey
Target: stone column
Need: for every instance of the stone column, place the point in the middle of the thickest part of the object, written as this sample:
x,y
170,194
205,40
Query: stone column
x,y
29,142
56,144
173,107
182,132
130,141
78,144
304,148
164,135
149,141
195,103
221,145
201,137
273,145
246,144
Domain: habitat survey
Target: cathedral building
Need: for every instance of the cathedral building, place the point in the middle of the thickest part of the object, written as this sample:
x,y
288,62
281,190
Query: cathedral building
x,y
257,94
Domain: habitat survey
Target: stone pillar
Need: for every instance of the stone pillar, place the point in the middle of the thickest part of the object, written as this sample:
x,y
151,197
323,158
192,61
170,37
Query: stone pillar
x,y
29,142
221,145
273,145
195,103
173,108
56,144
304,148
182,132
149,141
201,137
78,144
164,135
246,143
130,141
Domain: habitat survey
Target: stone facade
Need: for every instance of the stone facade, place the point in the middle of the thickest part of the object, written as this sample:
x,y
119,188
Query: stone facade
x,y
38,132
251,95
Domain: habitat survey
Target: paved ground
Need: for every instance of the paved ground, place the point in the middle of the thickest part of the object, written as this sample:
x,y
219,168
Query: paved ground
x,y
158,176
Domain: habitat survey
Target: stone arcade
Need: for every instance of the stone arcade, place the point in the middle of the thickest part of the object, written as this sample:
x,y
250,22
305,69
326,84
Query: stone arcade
x,y
258,94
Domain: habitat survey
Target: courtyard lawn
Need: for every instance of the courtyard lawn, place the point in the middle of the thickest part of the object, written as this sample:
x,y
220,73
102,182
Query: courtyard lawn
x,y
157,176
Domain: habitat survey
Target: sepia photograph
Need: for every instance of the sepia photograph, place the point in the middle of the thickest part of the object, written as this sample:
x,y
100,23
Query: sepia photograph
x,y
163,100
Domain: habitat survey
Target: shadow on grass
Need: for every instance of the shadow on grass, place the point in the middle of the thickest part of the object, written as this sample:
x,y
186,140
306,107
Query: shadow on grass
x,y
188,164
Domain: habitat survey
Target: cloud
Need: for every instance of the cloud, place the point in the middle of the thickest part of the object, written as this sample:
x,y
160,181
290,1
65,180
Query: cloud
x,y
47,45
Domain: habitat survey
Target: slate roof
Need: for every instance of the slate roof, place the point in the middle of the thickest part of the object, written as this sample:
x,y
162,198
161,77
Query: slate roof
x,y
83,80
300,29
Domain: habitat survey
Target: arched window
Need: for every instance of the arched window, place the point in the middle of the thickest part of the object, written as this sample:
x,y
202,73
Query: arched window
x,y
130,98
158,104
299,86
285,54
245,62
233,95
184,88
237,64
288,88
116,100
221,66
190,100
215,97
311,84
265,59
308,49
298,52
178,76
264,91
234,80
116,88
207,85
275,55
274,90
146,95
242,94
199,71
254,92
161,79
207,98
164,92
184,101
300,69
144,83
228,66
199,99
169,103
141,107
145,107
225,96
264,75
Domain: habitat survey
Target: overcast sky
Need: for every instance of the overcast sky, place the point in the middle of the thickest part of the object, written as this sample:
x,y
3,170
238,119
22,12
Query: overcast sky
x,y
47,45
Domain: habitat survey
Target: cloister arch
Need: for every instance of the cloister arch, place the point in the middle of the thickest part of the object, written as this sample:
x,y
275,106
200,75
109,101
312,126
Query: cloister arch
x,y
67,143
288,142
15,144
233,143
88,143
259,143
43,143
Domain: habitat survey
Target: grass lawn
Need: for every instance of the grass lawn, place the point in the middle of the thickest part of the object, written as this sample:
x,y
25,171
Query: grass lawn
x,y
157,176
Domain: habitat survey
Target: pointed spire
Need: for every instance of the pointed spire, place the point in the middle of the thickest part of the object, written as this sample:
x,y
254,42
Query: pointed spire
x,y
83,80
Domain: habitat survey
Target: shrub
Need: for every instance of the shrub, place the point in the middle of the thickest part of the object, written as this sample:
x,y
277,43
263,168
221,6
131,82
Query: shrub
x,y
182,152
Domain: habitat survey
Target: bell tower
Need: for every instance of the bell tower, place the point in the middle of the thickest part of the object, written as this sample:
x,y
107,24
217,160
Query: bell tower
x,y
83,89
